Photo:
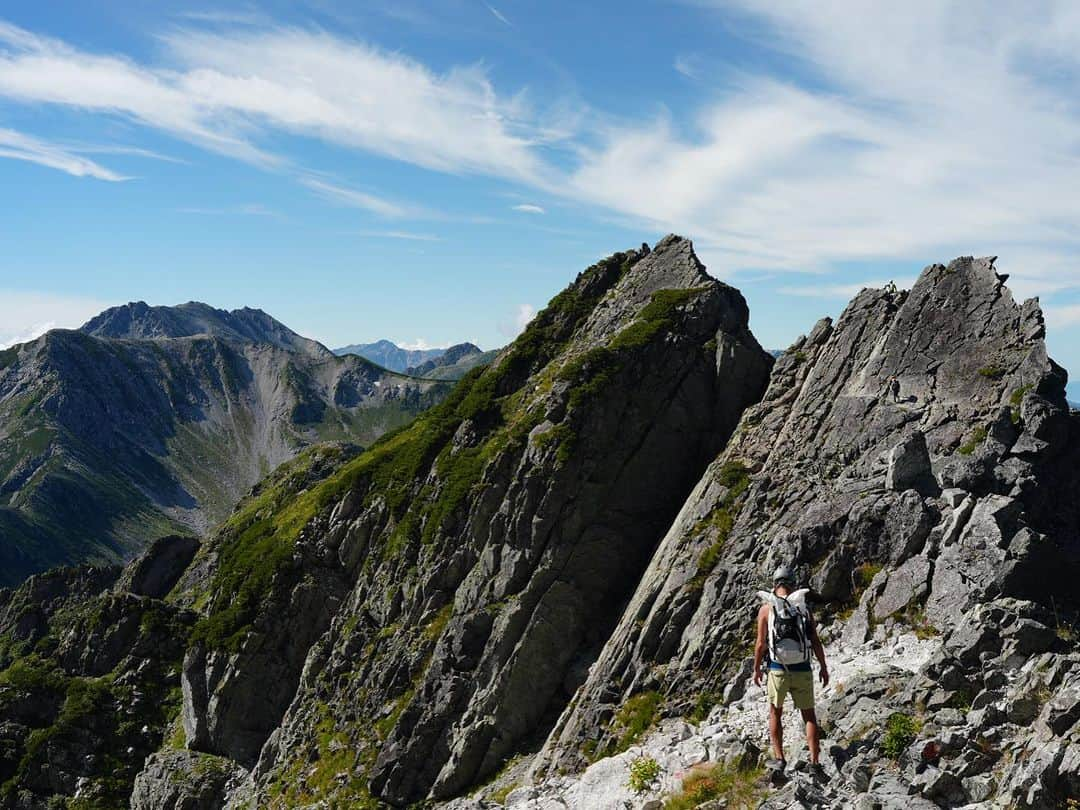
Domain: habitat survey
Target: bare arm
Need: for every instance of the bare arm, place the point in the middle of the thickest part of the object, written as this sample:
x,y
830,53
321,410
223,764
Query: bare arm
x,y
759,647
819,652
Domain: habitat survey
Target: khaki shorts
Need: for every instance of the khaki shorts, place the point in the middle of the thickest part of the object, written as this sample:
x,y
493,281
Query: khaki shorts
x,y
799,684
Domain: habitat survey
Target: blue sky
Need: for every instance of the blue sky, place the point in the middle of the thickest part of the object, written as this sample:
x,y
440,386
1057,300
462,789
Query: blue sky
x,y
435,172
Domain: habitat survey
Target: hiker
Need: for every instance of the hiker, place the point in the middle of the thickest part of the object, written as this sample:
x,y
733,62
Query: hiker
x,y
894,389
787,634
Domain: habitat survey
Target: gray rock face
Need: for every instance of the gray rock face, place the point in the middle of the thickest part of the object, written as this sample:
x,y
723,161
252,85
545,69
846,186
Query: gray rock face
x,y
88,686
184,780
909,466
156,571
468,621
801,483
567,549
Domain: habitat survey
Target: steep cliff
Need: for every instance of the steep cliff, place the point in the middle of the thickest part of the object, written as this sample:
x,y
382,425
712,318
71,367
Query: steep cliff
x,y
932,508
431,607
154,420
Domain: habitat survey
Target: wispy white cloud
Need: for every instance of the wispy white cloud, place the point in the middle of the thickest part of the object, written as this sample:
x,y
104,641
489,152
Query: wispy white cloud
x,y
939,137
132,151
498,15
1062,316
528,208
28,314
689,65
944,136
417,345
19,146
231,86
355,198
216,17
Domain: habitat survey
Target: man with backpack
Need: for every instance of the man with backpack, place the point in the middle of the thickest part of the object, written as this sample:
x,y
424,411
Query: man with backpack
x,y
787,634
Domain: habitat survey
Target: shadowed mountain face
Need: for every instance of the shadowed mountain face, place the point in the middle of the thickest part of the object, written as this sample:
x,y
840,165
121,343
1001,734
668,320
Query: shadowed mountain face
x,y
152,420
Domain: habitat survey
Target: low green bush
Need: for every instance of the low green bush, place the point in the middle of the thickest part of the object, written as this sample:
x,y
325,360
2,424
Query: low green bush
x,y
644,774
900,732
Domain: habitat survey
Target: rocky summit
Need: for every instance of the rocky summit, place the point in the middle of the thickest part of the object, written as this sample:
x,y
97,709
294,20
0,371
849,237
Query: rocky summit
x,y
540,593
155,420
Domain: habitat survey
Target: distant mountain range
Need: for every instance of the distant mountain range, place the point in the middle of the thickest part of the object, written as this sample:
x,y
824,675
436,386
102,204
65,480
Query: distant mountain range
x,y
389,355
151,420
454,363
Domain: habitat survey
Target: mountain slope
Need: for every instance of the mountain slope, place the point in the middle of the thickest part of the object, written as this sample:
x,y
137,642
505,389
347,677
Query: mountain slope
x,y
939,511
389,355
107,441
474,561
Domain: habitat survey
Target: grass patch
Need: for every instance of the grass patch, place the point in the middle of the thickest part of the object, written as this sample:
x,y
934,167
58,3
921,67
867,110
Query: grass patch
x,y
499,796
644,774
8,357
992,372
735,476
1016,398
915,617
900,732
436,626
631,722
738,789
978,436
703,706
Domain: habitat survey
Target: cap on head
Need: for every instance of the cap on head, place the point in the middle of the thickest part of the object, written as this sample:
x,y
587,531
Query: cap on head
x,y
783,575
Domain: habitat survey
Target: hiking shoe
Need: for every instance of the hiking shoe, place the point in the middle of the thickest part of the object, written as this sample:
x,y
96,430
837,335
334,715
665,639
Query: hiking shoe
x,y
818,773
775,769
776,764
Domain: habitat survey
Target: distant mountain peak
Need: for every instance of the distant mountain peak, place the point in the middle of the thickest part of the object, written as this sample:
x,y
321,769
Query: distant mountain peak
x,y
138,320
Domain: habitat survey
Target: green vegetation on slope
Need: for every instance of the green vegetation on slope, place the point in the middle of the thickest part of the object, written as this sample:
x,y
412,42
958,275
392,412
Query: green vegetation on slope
x,y
256,545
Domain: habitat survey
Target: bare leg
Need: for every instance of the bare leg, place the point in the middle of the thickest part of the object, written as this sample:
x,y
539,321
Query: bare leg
x,y
776,731
812,734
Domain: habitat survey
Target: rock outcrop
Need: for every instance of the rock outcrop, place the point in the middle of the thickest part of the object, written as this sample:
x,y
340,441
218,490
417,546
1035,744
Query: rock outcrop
x,y
89,680
912,508
454,582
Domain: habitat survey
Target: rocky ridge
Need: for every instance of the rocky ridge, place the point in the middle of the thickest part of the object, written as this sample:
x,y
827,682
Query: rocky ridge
x,y
389,355
454,582
949,507
155,420
454,363
548,578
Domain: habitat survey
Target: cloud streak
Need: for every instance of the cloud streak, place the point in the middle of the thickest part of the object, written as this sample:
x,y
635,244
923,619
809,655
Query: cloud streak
x,y
19,146
905,133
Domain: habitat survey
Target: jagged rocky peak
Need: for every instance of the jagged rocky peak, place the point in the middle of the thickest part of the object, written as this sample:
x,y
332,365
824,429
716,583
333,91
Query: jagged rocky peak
x,y
917,461
140,321
436,600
